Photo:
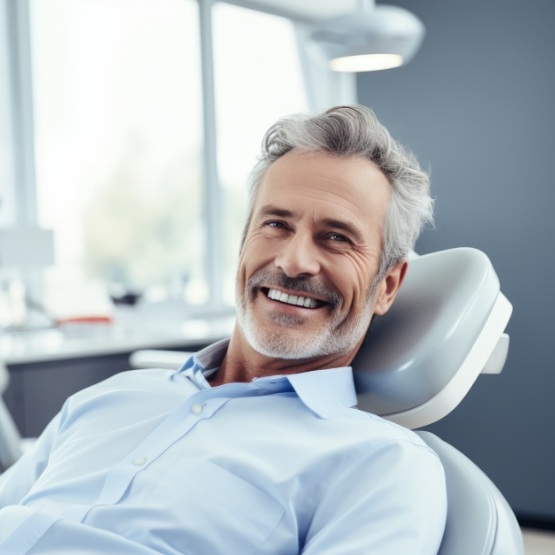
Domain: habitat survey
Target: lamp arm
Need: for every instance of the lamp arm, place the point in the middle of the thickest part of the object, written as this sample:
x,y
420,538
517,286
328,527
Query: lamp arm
x,y
366,5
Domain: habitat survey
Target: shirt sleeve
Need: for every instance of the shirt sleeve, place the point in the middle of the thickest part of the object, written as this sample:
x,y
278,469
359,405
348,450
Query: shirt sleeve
x,y
388,501
17,480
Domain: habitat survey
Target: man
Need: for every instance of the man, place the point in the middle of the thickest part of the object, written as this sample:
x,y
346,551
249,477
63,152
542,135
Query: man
x,y
253,445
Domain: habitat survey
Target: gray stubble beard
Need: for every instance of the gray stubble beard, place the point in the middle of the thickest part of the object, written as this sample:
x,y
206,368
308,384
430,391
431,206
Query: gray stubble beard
x,y
335,338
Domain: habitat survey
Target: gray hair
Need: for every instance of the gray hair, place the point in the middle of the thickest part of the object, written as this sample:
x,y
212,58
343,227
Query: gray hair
x,y
355,131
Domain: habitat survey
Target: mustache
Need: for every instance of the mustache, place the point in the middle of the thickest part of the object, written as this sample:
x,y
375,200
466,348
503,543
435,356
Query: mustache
x,y
277,279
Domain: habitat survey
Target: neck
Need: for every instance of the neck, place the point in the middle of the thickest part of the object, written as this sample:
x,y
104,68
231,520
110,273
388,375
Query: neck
x,y
242,363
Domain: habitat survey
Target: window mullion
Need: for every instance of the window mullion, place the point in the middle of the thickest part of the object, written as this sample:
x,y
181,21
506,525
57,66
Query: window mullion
x,y
211,191
21,110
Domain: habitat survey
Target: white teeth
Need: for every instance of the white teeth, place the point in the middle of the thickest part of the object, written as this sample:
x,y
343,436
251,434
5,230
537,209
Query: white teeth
x,y
292,299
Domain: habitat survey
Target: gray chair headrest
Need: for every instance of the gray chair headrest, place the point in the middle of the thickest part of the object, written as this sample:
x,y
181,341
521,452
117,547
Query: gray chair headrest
x,y
446,326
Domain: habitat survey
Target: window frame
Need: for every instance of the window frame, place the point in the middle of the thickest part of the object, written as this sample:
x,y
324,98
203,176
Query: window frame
x,y
20,102
340,88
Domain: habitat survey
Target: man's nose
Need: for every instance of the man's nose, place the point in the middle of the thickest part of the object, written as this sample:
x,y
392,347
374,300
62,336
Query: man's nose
x,y
298,256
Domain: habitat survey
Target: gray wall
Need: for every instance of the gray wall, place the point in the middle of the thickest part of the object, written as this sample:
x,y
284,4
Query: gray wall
x,y
477,104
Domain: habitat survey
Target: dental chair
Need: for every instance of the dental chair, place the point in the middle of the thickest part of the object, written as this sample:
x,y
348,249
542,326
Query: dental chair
x,y
417,363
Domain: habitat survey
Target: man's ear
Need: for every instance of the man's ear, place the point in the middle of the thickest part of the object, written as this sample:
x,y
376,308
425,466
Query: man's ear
x,y
389,286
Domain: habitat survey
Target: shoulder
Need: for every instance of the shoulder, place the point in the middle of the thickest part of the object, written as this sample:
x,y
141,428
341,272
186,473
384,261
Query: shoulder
x,y
387,479
399,458
371,432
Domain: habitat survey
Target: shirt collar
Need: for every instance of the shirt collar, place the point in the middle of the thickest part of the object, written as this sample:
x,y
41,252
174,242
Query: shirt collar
x,y
203,364
325,391
322,391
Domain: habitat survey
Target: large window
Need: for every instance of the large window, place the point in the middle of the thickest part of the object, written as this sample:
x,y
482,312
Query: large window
x,y
117,94
147,116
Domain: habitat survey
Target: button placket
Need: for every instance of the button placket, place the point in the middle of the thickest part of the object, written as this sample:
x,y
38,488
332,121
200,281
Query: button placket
x,y
170,430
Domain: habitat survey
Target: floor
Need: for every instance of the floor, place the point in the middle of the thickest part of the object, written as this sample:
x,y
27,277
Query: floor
x,y
538,542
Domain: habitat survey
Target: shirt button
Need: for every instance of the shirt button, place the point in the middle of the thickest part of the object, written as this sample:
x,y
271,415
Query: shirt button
x,y
196,408
139,461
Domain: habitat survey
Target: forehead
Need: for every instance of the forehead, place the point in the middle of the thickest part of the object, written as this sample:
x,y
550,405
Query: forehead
x,y
328,187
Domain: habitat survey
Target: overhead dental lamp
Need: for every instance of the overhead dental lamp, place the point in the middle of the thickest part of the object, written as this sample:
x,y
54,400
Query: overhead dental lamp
x,y
374,37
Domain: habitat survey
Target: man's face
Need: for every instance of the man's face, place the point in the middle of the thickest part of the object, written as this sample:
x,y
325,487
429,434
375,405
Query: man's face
x,y
311,252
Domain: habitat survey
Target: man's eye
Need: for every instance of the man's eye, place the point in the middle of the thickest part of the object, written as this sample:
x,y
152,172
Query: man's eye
x,y
338,237
275,224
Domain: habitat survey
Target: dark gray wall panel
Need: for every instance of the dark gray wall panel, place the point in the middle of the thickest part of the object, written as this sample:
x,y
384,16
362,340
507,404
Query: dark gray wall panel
x,y
477,105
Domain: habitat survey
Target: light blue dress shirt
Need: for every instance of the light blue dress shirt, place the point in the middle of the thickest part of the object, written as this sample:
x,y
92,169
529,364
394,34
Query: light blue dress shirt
x,y
157,461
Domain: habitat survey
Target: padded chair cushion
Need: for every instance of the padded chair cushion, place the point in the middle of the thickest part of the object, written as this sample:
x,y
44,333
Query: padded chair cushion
x,y
422,357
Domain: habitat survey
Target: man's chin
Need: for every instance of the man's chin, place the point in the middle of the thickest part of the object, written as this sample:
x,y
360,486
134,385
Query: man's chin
x,y
282,340
284,349
293,337
291,343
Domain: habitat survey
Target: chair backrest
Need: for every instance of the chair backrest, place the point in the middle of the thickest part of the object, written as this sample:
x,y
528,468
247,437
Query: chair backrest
x,y
479,519
418,362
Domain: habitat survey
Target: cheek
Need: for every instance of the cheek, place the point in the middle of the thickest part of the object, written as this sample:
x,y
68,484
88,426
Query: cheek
x,y
255,254
353,279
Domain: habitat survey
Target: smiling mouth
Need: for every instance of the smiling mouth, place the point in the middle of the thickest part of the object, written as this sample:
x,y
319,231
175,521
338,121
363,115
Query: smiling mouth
x,y
294,300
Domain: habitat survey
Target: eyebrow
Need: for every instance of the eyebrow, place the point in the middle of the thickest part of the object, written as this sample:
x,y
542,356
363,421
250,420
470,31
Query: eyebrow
x,y
270,210
340,225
